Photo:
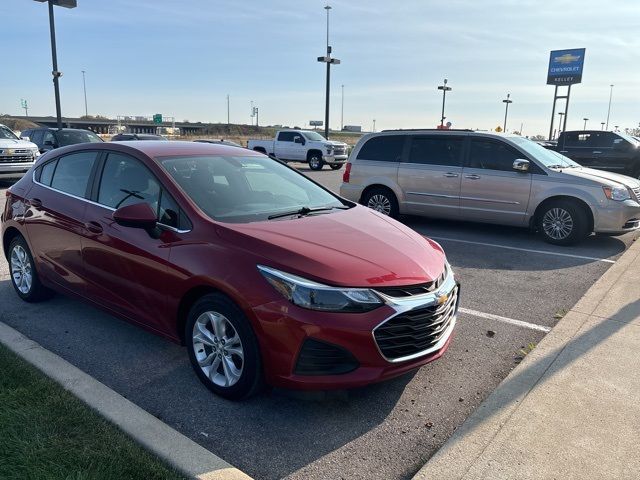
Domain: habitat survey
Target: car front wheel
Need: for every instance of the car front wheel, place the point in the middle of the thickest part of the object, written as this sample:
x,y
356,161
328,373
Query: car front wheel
x,y
223,348
562,223
315,161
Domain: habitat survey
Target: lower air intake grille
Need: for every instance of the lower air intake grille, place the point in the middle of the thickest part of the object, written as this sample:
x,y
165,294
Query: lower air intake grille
x,y
321,358
417,330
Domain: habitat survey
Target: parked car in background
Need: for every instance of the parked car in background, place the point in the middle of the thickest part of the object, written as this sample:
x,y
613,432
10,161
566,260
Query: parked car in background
x,y
612,151
221,141
303,146
16,155
492,178
262,273
50,138
123,137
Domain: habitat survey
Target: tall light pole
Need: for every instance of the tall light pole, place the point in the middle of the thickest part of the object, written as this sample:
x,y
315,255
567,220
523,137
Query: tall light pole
x,y
84,85
228,116
342,110
506,102
602,125
444,89
328,60
252,113
374,124
585,123
54,57
609,110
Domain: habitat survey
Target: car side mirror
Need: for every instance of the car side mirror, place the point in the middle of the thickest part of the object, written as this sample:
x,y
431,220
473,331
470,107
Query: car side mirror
x,y
138,215
27,139
521,165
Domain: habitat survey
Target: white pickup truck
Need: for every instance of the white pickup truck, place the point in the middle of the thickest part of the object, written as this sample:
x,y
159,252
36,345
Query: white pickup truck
x,y
303,146
16,155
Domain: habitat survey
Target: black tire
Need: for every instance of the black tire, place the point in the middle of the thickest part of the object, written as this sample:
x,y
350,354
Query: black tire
x,y
382,200
315,161
336,166
250,379
562,222
21,265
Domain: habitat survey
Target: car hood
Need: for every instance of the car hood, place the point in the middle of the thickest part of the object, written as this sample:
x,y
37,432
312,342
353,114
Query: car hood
x,y
602,177
355,248
11,143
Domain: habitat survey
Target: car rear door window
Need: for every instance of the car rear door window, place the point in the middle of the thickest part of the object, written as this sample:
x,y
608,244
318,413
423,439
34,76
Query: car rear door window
x,y
45,173
383,148
491,155
72,173
436,150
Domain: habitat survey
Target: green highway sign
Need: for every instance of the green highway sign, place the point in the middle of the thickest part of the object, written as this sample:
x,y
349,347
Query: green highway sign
x,y
157,118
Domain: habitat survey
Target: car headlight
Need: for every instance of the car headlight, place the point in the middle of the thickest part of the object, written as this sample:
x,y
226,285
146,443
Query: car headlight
x,y
329,149
36,152
316,296
616,193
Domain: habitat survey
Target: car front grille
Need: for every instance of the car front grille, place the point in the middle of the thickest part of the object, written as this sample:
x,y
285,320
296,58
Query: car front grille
x,y
415,331
339,150
16,158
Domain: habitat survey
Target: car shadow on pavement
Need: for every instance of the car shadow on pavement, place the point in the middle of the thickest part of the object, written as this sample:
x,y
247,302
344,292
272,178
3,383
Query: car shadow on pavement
x,y
269,436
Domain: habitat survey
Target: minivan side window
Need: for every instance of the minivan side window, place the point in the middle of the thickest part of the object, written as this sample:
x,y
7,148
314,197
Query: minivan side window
x,y
491,155
384,148
436,150
72,173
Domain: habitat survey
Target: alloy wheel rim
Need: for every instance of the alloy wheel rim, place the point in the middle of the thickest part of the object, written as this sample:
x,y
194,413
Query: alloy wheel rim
x,y
557,223
314,162
218,349
380,203
21,271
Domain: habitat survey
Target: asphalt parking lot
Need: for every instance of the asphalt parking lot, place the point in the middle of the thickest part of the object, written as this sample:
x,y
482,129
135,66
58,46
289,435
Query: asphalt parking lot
x,y
513,287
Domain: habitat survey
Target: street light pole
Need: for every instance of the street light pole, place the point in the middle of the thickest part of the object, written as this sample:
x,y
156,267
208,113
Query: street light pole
x,y
602,125
54,57
444,89
84,84
342,110
506,102
228,116
609,110
328,60
374,124
585,123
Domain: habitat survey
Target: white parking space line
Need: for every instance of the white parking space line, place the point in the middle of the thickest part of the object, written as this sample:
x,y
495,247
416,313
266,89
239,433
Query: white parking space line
x,y
544,252
517,323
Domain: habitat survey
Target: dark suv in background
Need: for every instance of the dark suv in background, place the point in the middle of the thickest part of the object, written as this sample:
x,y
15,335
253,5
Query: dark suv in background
x,y
611,151
49,138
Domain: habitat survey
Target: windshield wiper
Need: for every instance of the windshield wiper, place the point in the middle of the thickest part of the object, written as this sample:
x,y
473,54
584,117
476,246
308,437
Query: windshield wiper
x,y
301,212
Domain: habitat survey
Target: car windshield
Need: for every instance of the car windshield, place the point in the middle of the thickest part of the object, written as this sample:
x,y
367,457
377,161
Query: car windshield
x,y
546,157
238,189
71,137
313,136
6,134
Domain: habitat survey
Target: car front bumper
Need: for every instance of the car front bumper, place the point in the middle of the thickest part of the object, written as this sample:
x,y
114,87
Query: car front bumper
x,y
13,170
286,330
335,159
617,217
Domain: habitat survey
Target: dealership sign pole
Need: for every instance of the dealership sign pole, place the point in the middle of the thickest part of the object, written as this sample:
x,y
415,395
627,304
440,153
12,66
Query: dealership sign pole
x,y
565,69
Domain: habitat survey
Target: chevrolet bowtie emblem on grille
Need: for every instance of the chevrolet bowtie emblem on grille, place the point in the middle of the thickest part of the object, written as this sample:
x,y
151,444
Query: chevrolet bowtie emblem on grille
x,y
442,298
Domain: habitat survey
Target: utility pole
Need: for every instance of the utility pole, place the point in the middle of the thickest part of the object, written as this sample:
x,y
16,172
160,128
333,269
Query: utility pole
x,y
228,116
444,89
609,109
84,84
257,117
506,102
252,114
342,110
328,60
585,123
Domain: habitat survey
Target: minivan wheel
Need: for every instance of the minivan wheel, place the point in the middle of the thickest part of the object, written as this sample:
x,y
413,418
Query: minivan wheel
x,y
336,166
223,348
24,276
381,200
315,161
562,223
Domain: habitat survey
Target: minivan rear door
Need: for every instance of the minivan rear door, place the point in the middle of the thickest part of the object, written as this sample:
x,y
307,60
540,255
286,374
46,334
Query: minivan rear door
x,y
430,175
491,190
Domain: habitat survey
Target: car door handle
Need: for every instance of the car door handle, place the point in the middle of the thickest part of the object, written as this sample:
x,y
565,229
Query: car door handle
x,y
93,227
451,175
472,176
596,152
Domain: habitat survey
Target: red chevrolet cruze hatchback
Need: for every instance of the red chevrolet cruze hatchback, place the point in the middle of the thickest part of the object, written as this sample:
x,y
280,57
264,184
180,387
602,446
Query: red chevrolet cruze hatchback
x,y
266,276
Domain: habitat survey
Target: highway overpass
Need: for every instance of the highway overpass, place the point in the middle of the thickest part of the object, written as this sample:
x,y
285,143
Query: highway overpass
x,y
101,125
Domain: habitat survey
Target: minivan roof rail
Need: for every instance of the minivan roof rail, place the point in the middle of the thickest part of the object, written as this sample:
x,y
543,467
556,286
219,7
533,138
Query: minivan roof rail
x,y
429,130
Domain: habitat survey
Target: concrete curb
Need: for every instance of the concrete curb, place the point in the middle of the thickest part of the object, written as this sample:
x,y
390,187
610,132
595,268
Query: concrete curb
x,y
464,448
180,452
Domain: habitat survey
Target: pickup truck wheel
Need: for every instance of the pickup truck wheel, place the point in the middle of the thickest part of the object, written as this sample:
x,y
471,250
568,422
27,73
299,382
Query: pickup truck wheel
x,y
381,200
336,166
562,223
315,161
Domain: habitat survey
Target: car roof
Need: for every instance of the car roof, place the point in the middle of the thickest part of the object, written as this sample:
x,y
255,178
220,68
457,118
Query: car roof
x,y
164,148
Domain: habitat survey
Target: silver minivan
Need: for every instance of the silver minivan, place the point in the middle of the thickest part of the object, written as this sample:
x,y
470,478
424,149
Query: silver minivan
x,y
487,177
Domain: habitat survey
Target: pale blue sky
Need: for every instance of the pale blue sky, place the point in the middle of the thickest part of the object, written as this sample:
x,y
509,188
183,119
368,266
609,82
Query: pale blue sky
x,y
181,58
